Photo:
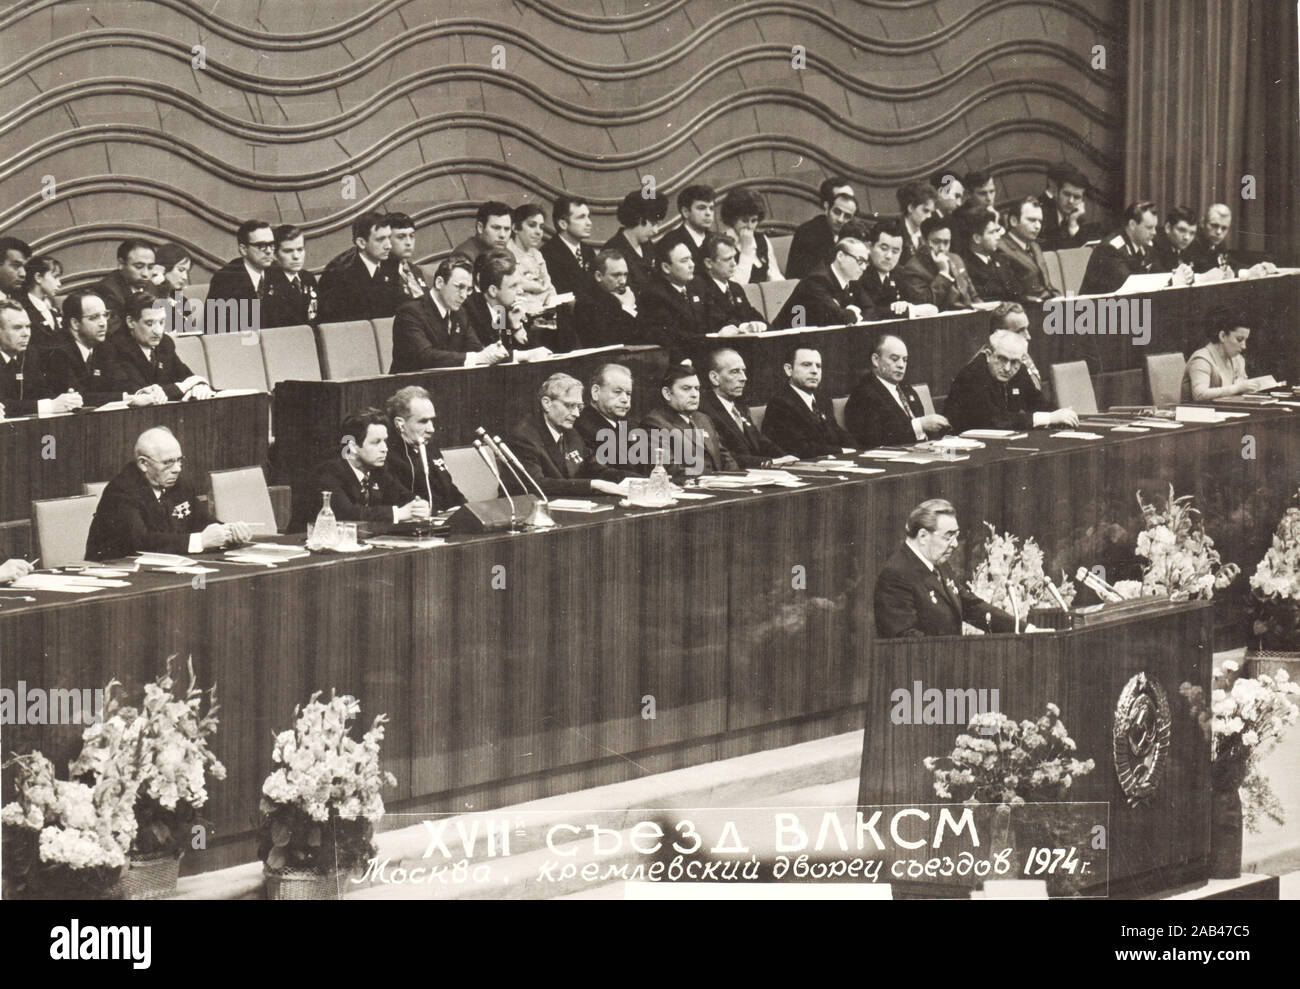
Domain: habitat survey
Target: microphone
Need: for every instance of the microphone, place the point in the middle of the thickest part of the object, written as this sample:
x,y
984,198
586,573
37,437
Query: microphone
x,y
495,447
519,466
1102,589
487,459
541,516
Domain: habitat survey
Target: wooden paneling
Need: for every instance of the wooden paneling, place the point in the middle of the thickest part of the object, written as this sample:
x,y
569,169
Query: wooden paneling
x,y
417,104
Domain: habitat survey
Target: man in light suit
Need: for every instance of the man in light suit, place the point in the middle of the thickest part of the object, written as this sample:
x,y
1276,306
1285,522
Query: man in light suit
x,y
936,276
699,451
723,402
917,594
433,332
1020,247
882,410
796,420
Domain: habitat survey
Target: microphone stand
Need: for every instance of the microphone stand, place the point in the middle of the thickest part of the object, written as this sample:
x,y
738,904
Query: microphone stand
x,y
541,516
487,459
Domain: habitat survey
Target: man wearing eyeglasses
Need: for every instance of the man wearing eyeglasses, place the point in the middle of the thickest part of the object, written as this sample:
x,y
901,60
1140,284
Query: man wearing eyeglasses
x,y
550,448
994,391
916,592
150,508
244,277
828,295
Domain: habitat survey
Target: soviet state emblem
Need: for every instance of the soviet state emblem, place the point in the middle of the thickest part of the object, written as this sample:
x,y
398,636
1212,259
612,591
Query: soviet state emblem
x,y
1140,737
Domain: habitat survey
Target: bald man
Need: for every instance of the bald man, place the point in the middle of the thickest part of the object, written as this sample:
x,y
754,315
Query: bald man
x,y
994,391
149,508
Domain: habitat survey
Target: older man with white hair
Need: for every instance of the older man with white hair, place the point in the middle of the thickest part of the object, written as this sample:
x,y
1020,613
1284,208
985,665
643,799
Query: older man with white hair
x,y
553,451
994,391
1209,251
150,508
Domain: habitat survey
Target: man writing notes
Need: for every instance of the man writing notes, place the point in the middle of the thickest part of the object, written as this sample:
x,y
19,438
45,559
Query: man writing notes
x,y
994,391
360,489
882,411
796,420
917,594
553,451
150,508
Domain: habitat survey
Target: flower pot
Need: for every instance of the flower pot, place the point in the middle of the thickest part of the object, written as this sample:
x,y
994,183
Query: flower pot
x,y
290,885
149,877
1225,834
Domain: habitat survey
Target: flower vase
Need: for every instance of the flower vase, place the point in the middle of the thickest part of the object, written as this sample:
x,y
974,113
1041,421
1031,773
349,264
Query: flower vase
x,y
1226,821
295,885
149,877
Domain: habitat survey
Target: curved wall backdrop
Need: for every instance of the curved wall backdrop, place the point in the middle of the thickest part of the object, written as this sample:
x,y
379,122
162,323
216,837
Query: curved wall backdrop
x,y
410,99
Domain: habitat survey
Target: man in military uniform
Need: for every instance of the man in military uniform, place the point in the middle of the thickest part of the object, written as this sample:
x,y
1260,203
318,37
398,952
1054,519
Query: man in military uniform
x,y
1128,252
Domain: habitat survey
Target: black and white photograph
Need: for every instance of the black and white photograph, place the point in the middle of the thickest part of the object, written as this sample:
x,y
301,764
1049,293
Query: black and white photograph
x,y
623,450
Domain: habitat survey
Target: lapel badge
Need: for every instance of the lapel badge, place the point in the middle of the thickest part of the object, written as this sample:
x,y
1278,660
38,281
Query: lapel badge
x,y
934,597
181,511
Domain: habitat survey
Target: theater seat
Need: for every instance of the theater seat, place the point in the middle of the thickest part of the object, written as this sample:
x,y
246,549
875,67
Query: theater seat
x,y
240,495
781,249
95,488
1074,262
1054,270
347,350
470,473
290,354
1073,387
837,410
756,413
190,350
62,526
235,360
754,293
384,342
927,403
775,295
194,313
1165,378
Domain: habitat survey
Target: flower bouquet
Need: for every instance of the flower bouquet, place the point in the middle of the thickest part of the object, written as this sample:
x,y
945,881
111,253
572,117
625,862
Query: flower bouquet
x,y
163,746
65,840
1182,563
1275,587
321,804
1011,577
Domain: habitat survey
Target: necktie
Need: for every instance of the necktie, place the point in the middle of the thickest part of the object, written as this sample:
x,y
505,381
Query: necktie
x,y
902,398
740,420
365,489
582,260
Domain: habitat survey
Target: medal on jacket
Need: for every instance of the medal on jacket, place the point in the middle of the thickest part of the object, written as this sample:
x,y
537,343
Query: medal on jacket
x,y
575,456
933,596
311,304
181,511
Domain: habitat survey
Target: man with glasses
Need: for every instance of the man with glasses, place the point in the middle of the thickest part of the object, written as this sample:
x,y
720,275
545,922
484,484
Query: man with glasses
x,y
829,295
553,451
726,308
433,331
244,277
150,508
994,391
814,242
134,274
916,592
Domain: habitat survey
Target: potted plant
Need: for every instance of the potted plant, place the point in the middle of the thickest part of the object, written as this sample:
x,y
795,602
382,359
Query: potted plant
x,y
65,840
1244,720
1011,577
163,746
321,803
1275,589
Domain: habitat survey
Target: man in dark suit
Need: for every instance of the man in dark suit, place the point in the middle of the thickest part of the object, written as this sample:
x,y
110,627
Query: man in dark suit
x,y
1172,249
1063,209
410,278
796,420
1209,249
14,255
553,452
1126,253
362,282
1020,247
814,242
568,260
936,276
493,313
603,423
244,278
916,592
360,489
145,359
433,332
414,462
492,227
878,288
671,310
726,307
25,388
80,361
695,205
688,441
150,508
637,217
981,189
134,274
611,313
723,402
989,271
993,391
290,295
882,410
828,295
917,202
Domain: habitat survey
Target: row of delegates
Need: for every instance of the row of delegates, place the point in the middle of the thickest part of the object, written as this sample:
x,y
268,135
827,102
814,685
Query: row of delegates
x,y
271,268
741,211
149,507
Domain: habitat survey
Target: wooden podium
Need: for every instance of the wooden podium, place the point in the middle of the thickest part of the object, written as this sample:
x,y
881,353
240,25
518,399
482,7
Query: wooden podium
x,y
1158,840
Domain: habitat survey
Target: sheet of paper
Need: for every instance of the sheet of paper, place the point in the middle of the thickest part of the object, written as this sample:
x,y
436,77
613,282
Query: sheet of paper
x,y
164,560
883,454
1074,434
1195,413
1131,429
578,505
863,470
993,434
193,570
692,495
406,542
914,458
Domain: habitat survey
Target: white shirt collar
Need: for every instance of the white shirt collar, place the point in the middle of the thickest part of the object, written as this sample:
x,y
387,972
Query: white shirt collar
x,y
721,285
361,474
85,351
555,433
370,265
807,396
912,546
697,238
255,275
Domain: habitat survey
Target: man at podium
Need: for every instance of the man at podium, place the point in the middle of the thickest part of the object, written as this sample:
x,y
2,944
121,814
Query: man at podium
x,y
916,593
